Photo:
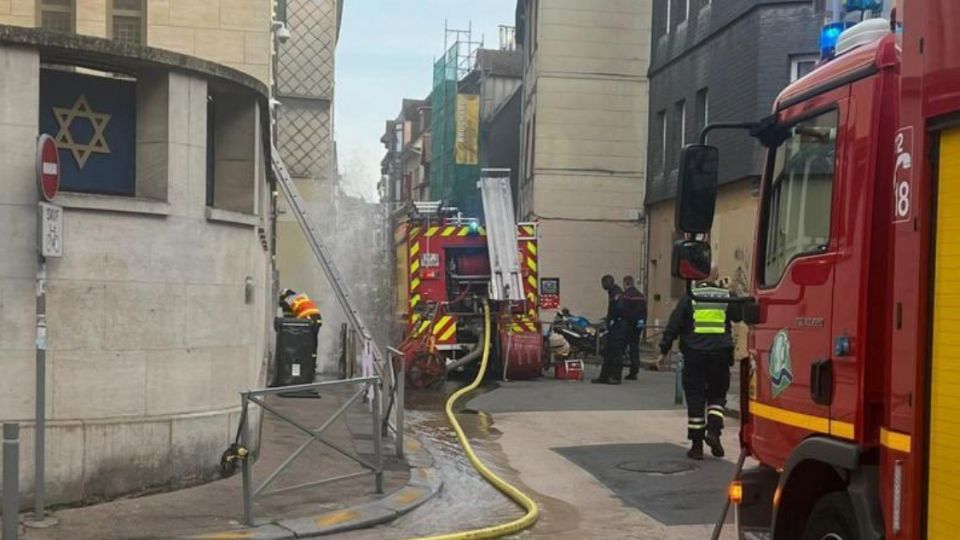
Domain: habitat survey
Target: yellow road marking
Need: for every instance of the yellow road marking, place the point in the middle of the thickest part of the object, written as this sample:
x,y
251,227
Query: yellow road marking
x,y
335,518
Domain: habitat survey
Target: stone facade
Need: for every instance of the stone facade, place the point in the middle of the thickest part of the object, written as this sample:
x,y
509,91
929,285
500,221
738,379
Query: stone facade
x,y
583,139
235,33
159,309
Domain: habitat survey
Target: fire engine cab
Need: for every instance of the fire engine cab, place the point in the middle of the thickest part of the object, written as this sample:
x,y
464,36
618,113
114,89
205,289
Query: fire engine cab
x,y
851,394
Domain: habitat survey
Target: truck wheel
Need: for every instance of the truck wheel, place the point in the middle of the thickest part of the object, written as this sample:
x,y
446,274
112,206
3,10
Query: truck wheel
x,y
832,518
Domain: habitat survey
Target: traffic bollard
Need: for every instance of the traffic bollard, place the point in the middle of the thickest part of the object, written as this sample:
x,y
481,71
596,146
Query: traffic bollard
x,y
11,480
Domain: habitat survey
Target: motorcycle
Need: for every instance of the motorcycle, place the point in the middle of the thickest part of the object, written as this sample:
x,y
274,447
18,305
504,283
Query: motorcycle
x,y
585,339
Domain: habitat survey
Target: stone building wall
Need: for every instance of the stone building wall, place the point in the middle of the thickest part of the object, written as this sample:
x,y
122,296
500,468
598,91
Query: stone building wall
x,y
159,309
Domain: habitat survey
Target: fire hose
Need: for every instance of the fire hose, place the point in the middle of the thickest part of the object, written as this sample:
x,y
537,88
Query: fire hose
x,y
524,501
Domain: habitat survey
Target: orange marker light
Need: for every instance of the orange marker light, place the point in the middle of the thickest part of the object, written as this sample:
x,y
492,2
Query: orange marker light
x,y
735,492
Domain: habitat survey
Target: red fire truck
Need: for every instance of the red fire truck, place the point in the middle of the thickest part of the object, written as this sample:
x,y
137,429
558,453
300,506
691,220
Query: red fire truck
x,y
450,271
851,397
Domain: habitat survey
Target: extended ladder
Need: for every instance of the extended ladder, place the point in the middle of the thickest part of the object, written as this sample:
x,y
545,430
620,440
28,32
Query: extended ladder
x,y
506,281
312,234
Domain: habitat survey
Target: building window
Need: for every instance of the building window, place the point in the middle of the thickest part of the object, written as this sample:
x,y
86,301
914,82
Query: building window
x,y
797,203
801,65
211,144
662,137
679,131
234,119
57,15
398,137
703,110
128,20
93,119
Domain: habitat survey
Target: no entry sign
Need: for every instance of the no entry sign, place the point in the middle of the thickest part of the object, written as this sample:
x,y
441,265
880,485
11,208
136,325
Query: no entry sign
x,y
48,167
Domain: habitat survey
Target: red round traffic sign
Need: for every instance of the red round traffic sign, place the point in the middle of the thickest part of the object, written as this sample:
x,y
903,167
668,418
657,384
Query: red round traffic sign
x,y
48,167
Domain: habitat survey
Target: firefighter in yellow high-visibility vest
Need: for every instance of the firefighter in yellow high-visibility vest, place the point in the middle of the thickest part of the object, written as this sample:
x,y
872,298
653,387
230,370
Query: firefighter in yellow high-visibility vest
x,y
299,305
703,328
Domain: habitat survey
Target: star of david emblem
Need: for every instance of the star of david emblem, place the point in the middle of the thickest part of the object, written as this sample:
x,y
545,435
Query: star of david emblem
x,y
64,139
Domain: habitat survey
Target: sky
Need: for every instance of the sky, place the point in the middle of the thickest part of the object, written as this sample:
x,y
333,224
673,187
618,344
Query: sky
x,y
386,53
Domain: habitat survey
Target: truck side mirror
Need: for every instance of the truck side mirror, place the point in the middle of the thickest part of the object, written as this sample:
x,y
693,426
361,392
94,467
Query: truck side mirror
x,y
691,260
697,188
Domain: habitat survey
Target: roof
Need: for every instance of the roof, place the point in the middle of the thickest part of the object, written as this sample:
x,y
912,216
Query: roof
x,y
500,63
408,110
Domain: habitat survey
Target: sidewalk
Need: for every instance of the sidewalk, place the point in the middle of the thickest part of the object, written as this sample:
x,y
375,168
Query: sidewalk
x,y
648,358
216,507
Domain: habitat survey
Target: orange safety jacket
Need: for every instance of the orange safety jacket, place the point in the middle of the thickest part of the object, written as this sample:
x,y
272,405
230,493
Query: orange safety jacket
x,y
303,307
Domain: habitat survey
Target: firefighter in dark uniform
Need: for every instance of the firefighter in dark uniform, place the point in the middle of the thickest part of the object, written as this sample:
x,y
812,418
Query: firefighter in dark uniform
x,y
635,306
703,328
611,370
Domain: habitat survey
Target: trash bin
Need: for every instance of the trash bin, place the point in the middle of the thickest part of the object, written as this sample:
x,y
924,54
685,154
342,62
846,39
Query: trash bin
x,y
296,351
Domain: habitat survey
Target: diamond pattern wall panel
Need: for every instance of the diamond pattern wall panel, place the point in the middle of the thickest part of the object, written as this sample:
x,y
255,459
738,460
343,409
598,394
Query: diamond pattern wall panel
x,y
305,142
306,61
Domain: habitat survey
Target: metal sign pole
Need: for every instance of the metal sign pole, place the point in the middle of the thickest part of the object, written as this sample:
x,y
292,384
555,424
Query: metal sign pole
x,y
40,517
49,244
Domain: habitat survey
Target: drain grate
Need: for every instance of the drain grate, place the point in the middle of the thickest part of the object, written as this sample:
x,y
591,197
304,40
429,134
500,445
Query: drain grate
x,y
659,467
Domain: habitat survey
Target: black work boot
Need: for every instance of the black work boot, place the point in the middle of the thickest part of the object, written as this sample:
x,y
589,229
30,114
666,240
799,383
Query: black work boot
x,y
713,441
696,451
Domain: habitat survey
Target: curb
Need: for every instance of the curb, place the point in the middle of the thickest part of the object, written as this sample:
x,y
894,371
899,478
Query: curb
x,y
424,483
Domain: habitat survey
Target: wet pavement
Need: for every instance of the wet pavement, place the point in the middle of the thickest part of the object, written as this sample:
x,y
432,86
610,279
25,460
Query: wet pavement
x,y
562,442
466,501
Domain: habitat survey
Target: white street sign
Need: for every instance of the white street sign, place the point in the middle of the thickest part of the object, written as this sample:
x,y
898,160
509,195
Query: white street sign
x,y
50,229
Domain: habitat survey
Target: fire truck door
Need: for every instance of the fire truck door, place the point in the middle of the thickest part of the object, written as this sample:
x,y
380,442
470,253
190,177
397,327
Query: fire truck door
x,y
797,256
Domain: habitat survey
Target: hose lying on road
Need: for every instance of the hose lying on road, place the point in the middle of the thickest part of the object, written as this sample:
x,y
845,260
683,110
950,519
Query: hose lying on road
x,y
533,511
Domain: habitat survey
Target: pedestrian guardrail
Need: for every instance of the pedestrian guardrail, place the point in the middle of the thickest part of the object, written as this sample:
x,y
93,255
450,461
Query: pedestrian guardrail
x,y
367,386
389,369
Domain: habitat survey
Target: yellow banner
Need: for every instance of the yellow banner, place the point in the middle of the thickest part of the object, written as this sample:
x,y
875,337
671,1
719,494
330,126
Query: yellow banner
x,y
468,124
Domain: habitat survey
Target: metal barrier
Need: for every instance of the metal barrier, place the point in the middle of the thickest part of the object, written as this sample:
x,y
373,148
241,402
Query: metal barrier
x,y
367,384
391,372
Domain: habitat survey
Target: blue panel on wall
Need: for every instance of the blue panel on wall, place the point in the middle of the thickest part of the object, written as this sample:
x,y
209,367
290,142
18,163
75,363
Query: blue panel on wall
x,y
93,120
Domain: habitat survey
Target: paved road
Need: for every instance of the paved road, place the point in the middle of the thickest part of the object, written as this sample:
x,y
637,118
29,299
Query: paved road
x,y
602,461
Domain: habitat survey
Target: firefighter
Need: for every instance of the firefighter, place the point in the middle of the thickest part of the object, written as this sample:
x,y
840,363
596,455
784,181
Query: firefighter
x,y
635,308
612,368
703,328
299,306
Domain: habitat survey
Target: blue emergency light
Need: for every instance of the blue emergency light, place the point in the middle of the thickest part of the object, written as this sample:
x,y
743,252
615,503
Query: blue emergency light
x,y
829,35
474,226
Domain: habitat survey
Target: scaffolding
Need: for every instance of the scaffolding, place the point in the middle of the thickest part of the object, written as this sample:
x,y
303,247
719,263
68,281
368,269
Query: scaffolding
x,y
453,180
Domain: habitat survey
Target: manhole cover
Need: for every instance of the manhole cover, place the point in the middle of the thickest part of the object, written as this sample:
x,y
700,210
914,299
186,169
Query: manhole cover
x,y
659,467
